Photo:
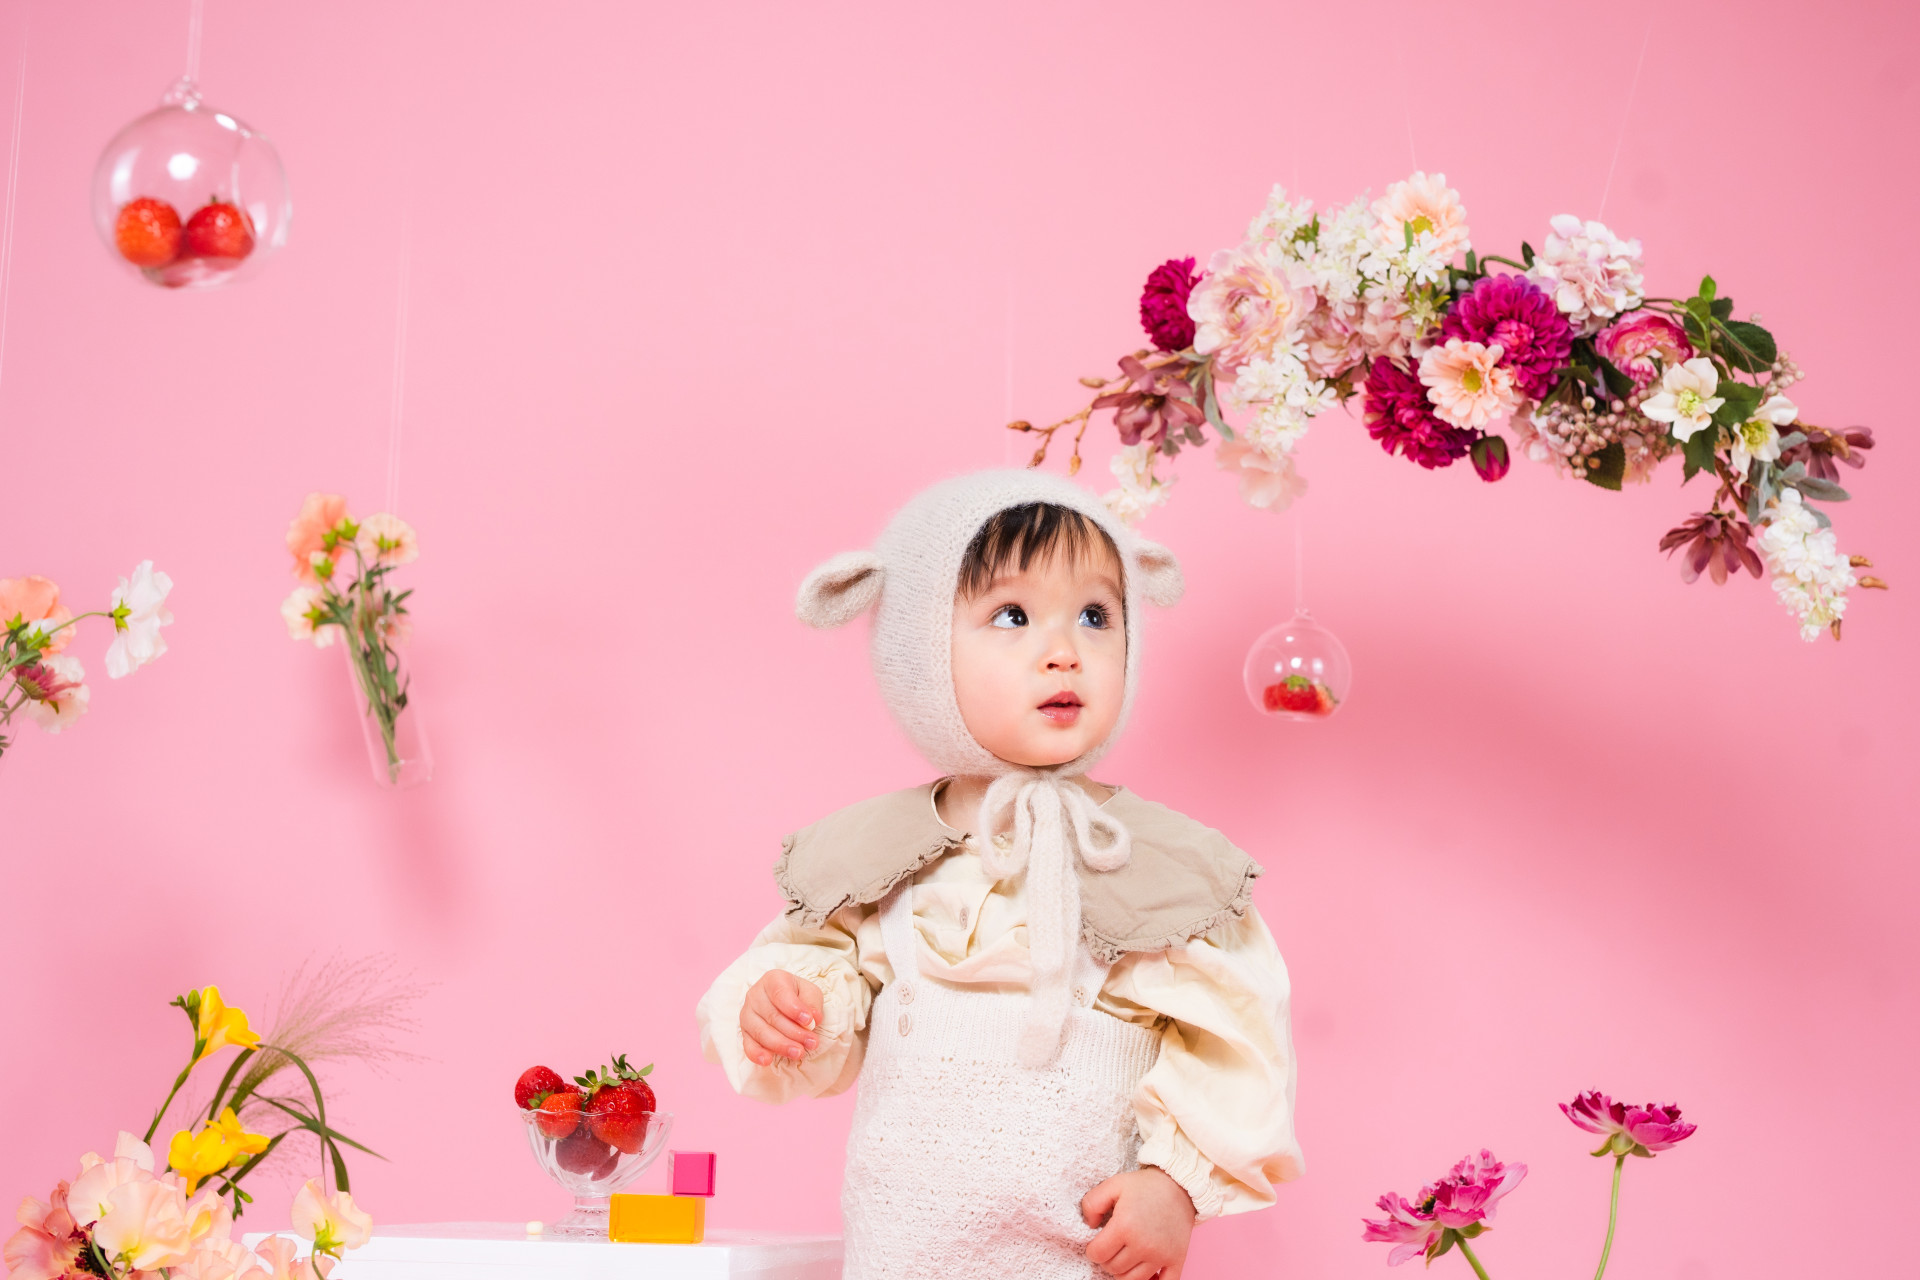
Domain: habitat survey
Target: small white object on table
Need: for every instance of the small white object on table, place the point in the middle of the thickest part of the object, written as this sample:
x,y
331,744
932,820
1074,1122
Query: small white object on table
x,y
507,1251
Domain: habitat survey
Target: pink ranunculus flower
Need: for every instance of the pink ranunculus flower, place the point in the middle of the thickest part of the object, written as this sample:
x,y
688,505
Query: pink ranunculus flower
x,y
44,1248
1471,1190
1430,208
1467,383
320,514
1407,1229
1644,343
1248,303
1639,1131
31,599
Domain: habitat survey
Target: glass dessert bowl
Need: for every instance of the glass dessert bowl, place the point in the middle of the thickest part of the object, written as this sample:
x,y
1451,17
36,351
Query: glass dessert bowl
x,y
592,1156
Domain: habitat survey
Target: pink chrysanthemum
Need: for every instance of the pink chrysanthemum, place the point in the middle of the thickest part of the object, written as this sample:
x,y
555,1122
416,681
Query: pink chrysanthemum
x,y
1163,304
1533,336
1401,418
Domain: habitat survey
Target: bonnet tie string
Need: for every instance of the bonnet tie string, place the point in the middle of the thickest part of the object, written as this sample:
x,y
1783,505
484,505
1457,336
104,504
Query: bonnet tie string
x,y
1049,814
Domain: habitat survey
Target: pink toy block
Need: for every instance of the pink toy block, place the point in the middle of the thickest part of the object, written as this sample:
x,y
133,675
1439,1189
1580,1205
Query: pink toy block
x,y
692,1172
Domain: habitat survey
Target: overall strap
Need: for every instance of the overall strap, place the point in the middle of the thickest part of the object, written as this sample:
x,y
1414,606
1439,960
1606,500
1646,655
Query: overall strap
x,y
896,932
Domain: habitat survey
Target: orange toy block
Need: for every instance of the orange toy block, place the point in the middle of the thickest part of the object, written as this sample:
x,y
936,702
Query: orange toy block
x,y
657,1219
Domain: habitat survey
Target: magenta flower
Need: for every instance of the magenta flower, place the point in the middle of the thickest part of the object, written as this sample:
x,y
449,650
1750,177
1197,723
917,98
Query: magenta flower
x,y
1534,337
1639,1131
1408,1230
1449,1212
1490,457
1399,415
1163,304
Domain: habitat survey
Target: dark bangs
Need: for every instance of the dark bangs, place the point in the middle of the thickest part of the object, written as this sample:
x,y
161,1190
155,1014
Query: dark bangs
x,y
1017,537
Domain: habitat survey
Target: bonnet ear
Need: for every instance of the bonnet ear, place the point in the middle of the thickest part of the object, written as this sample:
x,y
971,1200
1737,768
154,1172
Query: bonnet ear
x,y
842,589
1158,573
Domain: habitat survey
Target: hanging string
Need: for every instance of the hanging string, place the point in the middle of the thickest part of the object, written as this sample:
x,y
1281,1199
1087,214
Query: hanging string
x,y
13,188
1626,114
194,14
1299,559
397,409
1006,437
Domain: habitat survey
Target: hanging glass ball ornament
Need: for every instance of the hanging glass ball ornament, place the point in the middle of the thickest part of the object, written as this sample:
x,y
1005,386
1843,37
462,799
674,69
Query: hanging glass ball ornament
x,y
1299,670
190,197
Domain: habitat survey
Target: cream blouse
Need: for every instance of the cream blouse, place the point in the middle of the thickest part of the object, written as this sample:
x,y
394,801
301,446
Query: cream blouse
x,y
1216,1109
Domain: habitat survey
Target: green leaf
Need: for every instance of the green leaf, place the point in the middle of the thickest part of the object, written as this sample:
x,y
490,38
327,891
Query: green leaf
x,y
1821,490
1696,331
1699,452
1708,289
1748,347
1740,399
1473,263
1618,383
1526,253
1608,468
1722,308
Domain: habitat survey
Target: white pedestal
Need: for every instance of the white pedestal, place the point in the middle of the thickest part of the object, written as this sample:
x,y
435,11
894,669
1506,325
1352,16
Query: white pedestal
x,y
504,1251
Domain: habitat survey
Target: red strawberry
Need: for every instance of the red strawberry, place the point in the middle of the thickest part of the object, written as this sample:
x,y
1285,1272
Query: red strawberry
x,y
536,1080
619,1116
219,230
558,1113
581,1152
1325,697
147,232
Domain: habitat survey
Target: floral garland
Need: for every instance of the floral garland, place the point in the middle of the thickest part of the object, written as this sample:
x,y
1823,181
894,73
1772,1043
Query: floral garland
x,y
1388,301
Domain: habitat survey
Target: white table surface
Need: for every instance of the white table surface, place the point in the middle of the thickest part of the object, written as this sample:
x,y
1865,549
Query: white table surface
x,y
504,1251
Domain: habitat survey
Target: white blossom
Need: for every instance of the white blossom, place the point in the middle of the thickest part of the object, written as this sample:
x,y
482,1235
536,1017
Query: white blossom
x,y
138,616
1759,436
1810,575
1686,398
1140,490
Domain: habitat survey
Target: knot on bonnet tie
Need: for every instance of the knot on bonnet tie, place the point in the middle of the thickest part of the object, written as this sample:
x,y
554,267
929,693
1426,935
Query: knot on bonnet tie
x,y
1050,813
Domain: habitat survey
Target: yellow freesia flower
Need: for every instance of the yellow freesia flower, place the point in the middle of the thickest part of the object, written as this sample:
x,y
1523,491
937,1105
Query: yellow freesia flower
x,y
222,1142
219,1026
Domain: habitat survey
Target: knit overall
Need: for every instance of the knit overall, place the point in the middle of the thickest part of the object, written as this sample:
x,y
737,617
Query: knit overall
x,y
962,1163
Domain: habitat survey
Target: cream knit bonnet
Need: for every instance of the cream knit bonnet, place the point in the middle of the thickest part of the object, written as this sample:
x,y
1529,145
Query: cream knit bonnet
x,y
910,579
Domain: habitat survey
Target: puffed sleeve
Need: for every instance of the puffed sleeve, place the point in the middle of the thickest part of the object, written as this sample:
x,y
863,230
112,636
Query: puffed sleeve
x,y
1216,1110
828,957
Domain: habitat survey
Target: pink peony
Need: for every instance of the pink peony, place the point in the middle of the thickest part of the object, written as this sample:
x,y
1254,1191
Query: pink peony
x,y
1468,383
1427,206
1408,1230
320,514
1643,344
1399,415
30,599
1639,1131
1267,482
1471,1191
1336,338
1246,305
1163,304
1590,273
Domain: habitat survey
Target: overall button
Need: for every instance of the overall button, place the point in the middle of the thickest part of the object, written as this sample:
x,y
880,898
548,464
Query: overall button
x,y
1080,995
906,993
906,1023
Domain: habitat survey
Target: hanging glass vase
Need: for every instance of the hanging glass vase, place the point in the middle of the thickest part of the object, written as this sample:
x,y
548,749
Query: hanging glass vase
x,y
386,702
1298,671
190,197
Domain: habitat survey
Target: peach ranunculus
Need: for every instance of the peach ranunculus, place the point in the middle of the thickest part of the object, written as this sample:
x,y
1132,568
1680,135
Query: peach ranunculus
x,y
1427,206
145,1226
1466,383
30,599
386,539
1249,302
320,514
331,1220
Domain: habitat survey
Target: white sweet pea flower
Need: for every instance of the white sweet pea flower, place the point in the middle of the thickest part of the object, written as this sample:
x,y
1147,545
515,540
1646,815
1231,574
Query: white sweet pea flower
x,y
1759,436
137,619
1685,400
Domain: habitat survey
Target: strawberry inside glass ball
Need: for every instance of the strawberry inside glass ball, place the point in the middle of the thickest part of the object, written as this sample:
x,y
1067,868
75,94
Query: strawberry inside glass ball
x,y
147,232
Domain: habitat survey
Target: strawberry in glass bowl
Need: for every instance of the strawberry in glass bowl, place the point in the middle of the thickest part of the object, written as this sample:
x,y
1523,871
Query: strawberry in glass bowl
x,y
593,1135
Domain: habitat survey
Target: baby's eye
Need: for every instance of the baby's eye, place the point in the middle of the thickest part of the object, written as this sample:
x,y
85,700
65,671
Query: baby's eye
x,y
1008,615
1094,616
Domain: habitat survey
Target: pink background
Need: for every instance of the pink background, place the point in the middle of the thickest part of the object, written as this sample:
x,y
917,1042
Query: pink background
x,y
698,295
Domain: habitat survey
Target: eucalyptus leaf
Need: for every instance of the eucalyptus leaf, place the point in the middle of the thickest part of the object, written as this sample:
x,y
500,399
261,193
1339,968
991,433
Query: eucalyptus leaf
x,y
1820,517
1821,490
1791,439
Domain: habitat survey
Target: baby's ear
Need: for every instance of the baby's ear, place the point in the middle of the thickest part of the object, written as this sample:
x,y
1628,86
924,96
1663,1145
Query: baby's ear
x,y
1158,573
841,589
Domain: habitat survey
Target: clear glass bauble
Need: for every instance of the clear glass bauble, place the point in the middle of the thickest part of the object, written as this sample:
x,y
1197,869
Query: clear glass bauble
x,y
1298,671
190,197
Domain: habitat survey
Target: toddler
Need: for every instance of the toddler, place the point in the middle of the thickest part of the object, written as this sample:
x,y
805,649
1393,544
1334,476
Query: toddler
x,y
1068,1022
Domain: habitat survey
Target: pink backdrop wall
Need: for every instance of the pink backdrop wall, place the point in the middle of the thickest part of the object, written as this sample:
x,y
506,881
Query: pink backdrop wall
x,y
698,294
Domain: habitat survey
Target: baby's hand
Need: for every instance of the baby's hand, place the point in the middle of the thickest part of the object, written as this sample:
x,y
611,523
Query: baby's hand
x,y
1148,1221
780,1017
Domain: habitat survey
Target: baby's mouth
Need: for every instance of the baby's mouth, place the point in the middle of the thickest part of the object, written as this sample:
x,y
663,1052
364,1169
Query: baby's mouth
x,y
1062,708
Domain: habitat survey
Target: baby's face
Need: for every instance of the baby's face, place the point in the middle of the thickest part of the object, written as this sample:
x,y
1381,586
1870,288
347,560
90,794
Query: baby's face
x,y
1040,659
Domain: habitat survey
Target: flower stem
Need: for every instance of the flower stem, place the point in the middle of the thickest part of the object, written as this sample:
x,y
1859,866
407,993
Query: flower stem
x,y
1613,1214
1472,1261
177,1082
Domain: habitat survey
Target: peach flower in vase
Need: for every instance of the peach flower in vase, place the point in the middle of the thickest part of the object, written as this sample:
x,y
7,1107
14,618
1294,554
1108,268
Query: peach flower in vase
x,y
36,599
1467,384
321,514
387,540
